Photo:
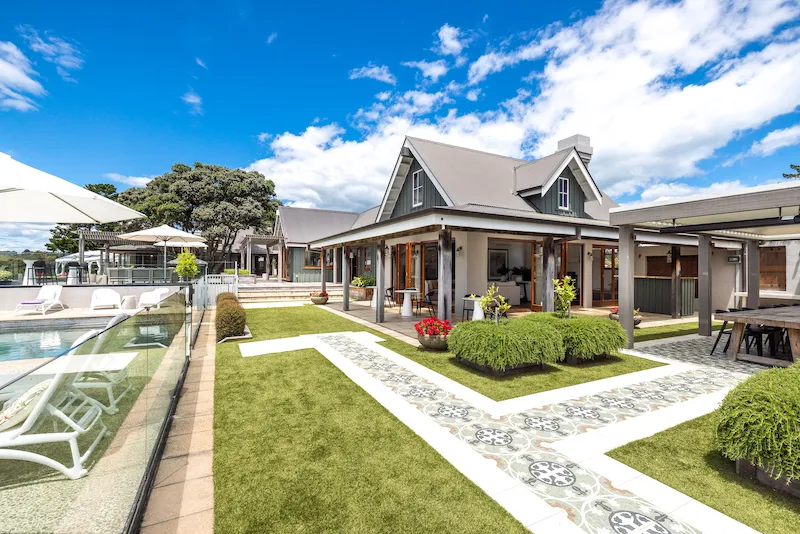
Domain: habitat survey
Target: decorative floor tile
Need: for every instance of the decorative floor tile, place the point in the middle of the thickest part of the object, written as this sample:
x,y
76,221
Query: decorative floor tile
x,y
520,443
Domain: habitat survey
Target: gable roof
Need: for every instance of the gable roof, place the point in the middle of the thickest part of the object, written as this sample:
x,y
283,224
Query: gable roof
x,y
466,176
303,225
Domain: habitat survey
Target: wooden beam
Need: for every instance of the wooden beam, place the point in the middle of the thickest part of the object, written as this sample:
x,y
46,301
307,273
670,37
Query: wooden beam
x,y
346,281
627,251
704,285
548,274
676,282
322,273
380,283
445,274
753,274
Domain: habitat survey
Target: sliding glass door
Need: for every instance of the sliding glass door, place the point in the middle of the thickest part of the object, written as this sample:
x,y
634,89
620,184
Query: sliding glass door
x,y
605,276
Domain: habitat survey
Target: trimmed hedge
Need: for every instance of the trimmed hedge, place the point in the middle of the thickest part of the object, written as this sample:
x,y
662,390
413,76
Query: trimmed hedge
x,y
506,345
242,272
585,337
230,318
226,296
759,421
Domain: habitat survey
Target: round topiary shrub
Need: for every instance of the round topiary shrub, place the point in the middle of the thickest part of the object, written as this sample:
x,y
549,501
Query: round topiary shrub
x,y
505,346
759,422
226,296
584,337
230,320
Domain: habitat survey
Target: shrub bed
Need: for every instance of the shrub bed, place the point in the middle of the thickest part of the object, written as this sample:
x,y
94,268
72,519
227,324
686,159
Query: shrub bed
x,y
584,337
230,318
508,346
759,422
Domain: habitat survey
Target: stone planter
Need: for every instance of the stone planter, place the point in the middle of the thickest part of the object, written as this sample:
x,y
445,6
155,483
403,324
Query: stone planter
x,y
433,342
754,472
636,318
319,300
494,372
360,293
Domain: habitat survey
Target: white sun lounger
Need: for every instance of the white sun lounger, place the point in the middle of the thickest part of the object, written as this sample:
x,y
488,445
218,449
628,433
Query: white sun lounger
x,y
105,298
73,413
153,298
49,296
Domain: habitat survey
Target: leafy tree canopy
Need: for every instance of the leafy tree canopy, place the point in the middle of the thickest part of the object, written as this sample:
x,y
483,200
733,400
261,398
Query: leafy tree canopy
x,y
793,175
64,237
212,199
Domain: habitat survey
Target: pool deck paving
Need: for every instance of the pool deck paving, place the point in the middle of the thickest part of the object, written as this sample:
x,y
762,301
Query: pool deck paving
x,y
182,499
542,456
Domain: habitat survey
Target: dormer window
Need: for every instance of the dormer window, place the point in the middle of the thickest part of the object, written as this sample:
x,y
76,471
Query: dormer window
x,y
563,193
416,189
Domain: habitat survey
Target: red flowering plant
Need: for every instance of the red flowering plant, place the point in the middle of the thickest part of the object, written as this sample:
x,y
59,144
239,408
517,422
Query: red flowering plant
x,y
319,294
615,309
433,327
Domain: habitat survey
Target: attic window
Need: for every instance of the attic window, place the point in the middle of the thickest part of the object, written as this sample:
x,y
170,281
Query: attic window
x,y
416,189
563,193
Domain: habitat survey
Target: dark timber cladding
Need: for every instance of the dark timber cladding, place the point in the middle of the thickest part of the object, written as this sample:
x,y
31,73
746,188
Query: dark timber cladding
x,y
445,303
548,203
430,195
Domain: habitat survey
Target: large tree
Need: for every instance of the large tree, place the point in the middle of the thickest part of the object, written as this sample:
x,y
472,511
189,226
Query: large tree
x,y
64,237
793,175
216,201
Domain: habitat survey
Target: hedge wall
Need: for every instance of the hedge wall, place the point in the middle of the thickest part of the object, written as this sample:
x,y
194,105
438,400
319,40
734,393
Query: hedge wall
x,y
230,317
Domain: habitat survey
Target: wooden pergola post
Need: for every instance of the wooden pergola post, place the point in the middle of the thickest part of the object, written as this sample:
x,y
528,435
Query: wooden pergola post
x,y
704,284
627,249
322,269
380,283
677,300
753,274
346,280
445,274
548,273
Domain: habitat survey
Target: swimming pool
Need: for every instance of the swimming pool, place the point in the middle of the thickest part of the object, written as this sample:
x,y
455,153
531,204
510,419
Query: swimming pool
x,y
36,343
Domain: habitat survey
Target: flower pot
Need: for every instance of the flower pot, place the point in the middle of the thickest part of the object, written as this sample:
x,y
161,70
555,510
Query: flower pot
x,y
319,300
636,318
433,342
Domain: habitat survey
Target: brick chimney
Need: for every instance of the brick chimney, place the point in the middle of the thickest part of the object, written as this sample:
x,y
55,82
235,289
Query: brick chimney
x,y
581,144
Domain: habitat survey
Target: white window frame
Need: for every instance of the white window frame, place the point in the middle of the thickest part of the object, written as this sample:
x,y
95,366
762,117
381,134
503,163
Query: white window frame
x,y
416,189
563,194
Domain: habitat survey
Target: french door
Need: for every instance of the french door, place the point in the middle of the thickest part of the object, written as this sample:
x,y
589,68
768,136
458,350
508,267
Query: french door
x,y
605,276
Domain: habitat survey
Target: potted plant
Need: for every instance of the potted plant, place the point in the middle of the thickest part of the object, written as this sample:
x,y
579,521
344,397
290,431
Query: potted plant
x,y
319,297
5,277
517,272
187,266
432,333
503,272
614,315
493,304
564,295
361,289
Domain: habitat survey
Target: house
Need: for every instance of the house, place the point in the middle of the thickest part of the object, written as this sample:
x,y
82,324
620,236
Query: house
x,y
464,219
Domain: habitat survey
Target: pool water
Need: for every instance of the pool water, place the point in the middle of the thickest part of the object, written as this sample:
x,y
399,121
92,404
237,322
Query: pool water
x,y
36,344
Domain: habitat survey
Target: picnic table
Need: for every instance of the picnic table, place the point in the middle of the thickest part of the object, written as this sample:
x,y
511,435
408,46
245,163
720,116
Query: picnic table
x,y
787,317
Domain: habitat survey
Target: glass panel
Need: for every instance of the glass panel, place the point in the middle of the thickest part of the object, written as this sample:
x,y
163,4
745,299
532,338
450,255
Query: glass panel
x,y
416,266
574,258
607,273
107,392
616,275
402,270
431,262
597,266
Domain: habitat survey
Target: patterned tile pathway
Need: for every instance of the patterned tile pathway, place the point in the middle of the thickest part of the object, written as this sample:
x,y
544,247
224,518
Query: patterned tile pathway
x,y
520,444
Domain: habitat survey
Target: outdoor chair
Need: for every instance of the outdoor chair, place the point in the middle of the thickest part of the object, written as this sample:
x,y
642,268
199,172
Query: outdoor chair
x,y
388,295
73,414
106,381
153,298
723,332
430,304
105,298
48,298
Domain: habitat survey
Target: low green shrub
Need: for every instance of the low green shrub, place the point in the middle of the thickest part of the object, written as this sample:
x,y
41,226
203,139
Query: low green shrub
x,y
242,272
759,421
508,344
226,296
363,281
584,337
230,319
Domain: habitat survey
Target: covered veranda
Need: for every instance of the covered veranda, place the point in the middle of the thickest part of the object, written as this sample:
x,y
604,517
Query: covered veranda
x,y
752,217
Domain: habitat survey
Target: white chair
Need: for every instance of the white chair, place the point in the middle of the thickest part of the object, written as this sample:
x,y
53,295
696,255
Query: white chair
x,y
48,297
106,380
105,298
153,298
73,413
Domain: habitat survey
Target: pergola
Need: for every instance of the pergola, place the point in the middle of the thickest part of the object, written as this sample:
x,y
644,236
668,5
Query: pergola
x,y
107,239
265,240
752,216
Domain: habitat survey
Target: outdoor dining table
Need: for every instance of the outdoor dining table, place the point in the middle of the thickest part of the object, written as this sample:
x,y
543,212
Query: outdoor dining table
x,y
787,317
477,311
407,310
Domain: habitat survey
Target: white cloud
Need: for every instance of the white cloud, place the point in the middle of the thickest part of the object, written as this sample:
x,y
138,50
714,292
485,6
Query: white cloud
x,y
659,87
18,85
429,69
776,140
299,204
22,236
660,192
194,101
263,137
134,181
485,18
473,95
61,52
200,62
380,73
383,96
451,42
271,38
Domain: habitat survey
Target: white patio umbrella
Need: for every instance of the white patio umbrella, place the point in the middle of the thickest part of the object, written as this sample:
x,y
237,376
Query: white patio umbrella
x,y
195,244
163,235
34,196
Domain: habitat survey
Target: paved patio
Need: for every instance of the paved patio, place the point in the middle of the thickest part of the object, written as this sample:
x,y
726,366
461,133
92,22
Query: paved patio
x,y
546,462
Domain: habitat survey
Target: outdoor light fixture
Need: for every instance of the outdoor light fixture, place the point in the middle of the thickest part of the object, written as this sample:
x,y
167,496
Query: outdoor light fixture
x,y
669,256
459,250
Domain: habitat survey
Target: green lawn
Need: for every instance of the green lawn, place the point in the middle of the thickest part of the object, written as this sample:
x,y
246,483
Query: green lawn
x,y
659,332
298,447
683,458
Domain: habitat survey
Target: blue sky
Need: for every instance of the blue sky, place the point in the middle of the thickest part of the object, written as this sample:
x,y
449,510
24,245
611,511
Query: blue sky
x,y
678,97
